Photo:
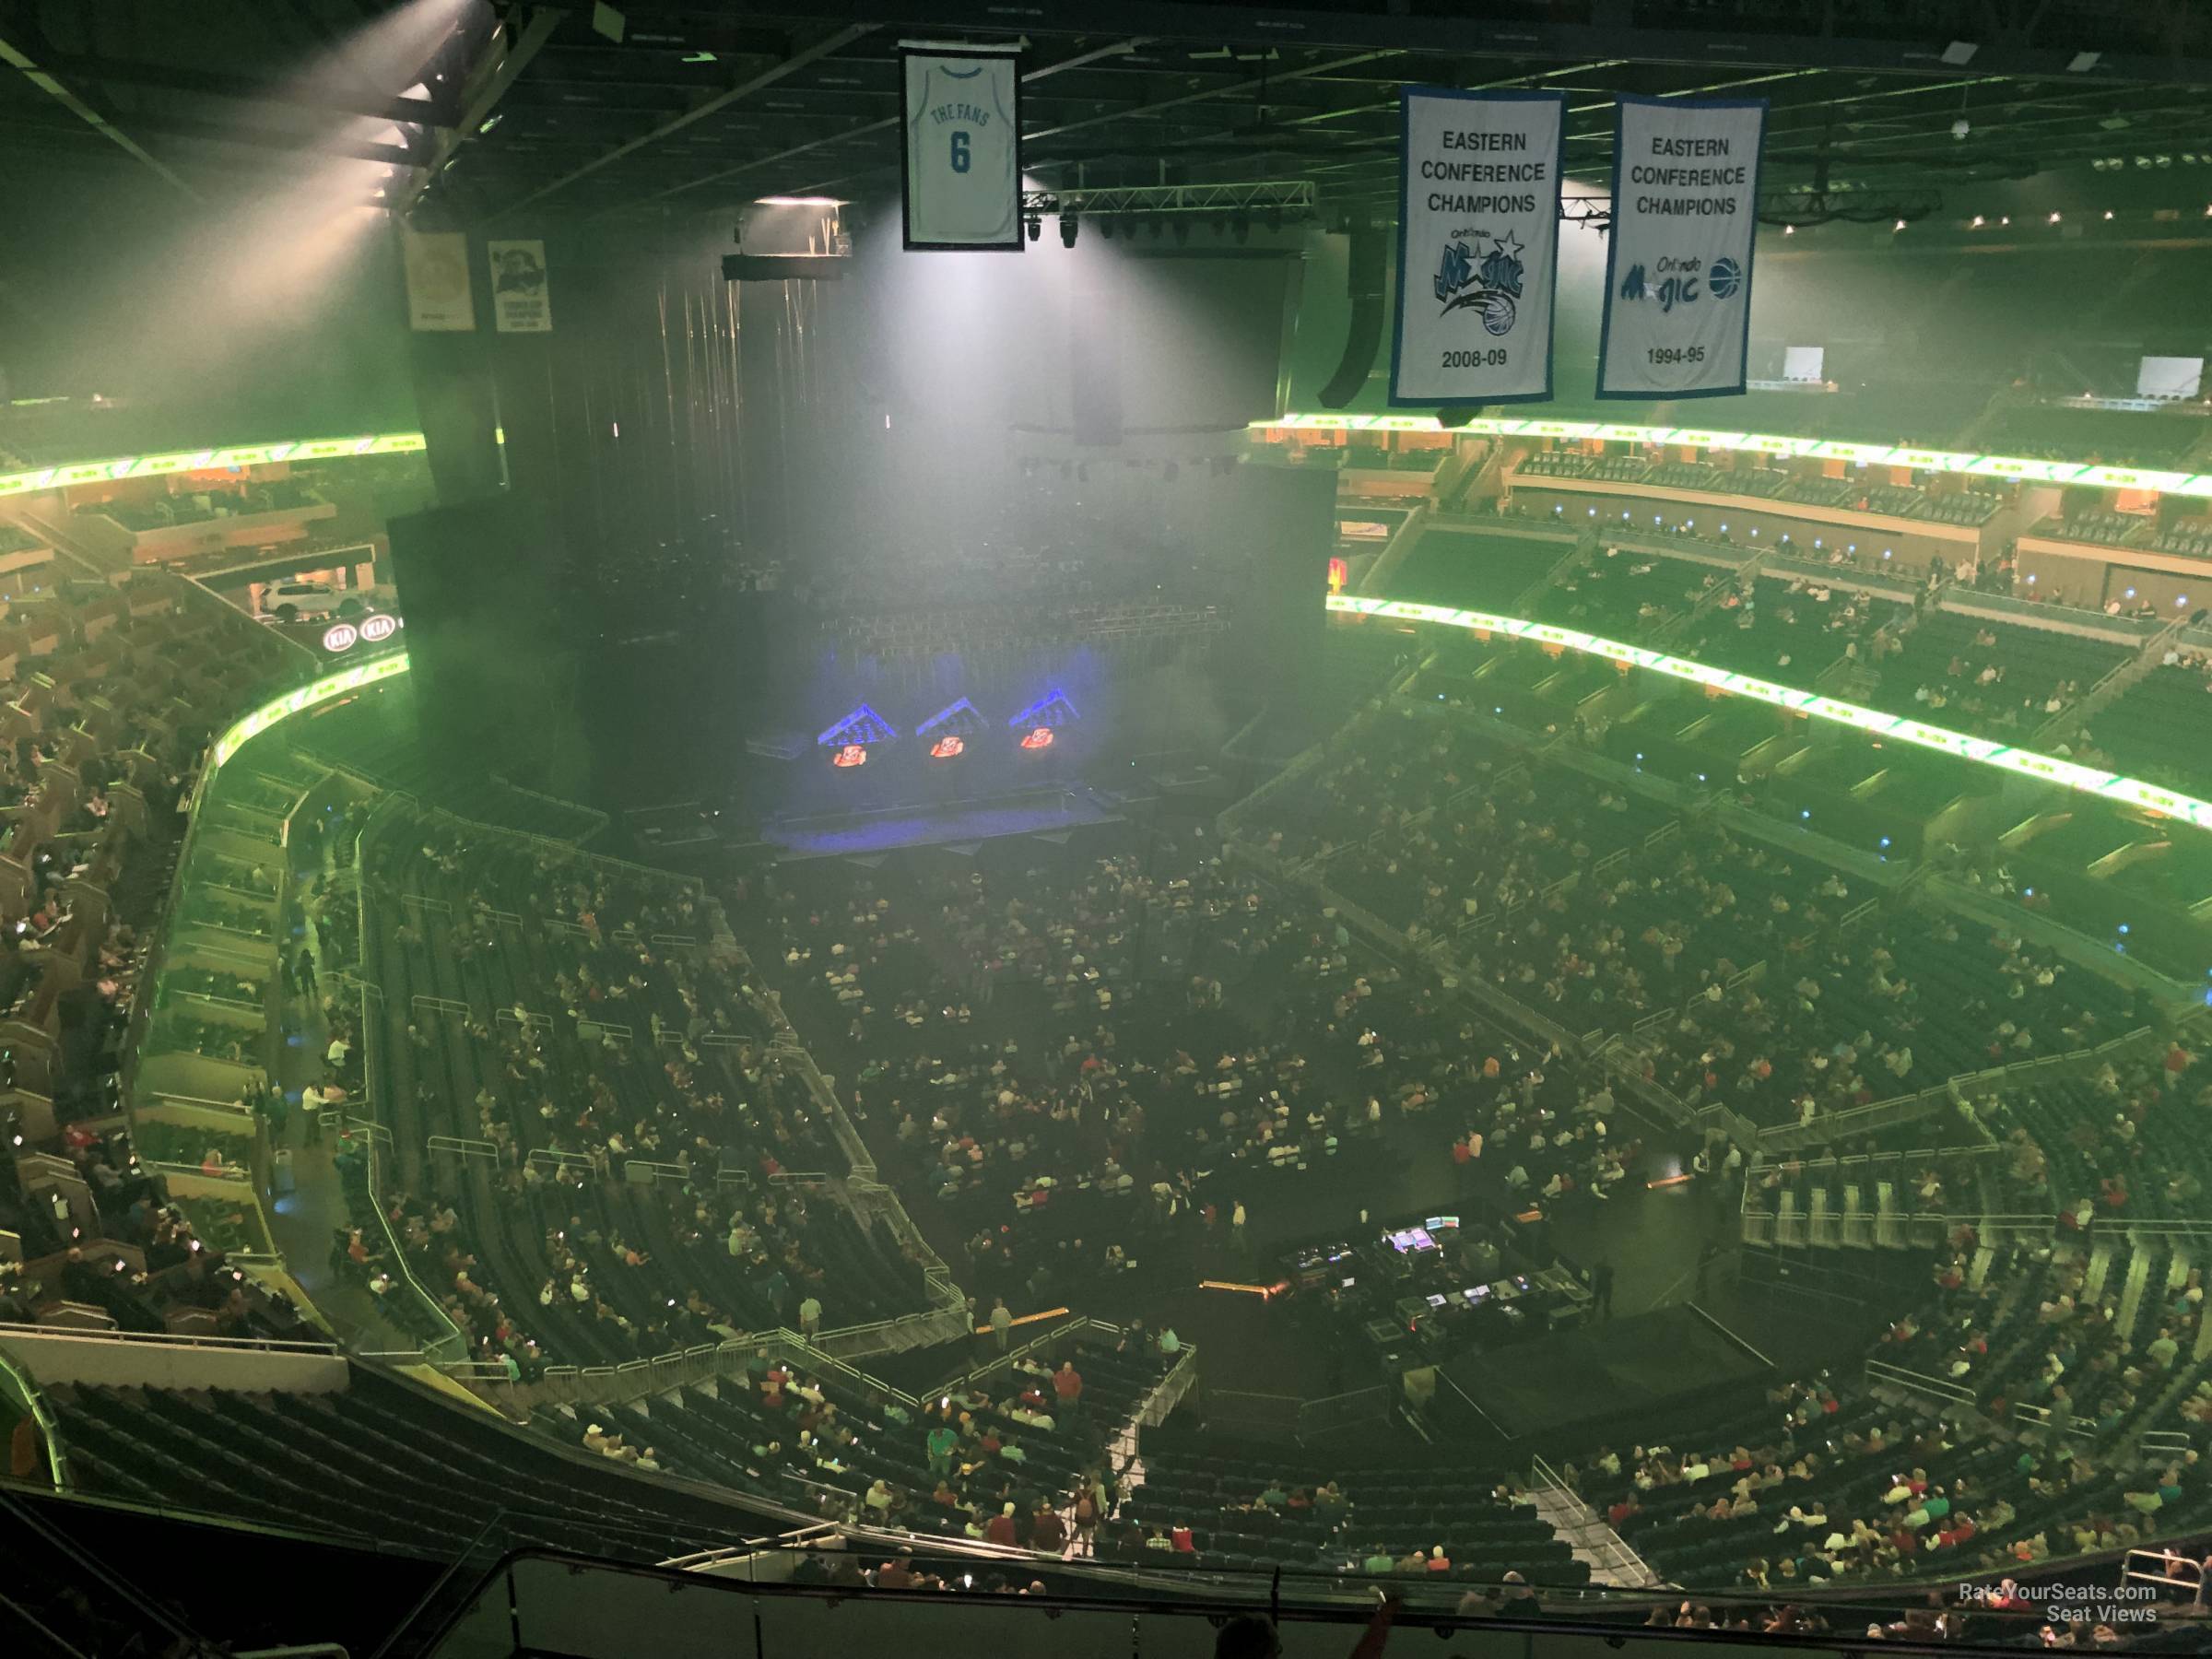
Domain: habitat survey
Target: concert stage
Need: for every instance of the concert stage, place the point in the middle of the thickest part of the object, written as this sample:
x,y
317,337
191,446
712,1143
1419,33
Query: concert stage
x,y
1596,1371
1031,812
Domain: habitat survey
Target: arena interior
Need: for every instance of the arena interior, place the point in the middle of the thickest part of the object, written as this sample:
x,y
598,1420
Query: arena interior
x,y
732,924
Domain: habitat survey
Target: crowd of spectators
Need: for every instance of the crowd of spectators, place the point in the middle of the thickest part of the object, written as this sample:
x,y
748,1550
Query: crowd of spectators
x,y
1848,1007
1592,906
654,1170
1825,1484
115,688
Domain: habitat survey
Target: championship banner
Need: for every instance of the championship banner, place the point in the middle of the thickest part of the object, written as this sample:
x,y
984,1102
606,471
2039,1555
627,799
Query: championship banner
x,y
1678,259
438,294
1478,242
520,303
962,178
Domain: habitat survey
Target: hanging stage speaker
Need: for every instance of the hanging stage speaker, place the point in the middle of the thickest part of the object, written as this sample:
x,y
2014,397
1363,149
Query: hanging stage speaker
x,y
493,665
1363,336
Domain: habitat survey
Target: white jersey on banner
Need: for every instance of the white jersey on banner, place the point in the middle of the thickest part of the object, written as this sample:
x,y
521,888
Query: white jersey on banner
x,y
963,151
1478,241
1678,257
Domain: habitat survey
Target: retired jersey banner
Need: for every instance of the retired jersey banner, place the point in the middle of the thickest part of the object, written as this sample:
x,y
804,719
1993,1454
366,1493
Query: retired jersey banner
x,y
963,151
1478,242
1678,258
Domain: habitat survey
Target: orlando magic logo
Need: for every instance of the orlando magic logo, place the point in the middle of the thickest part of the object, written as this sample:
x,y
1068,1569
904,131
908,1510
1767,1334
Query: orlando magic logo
x,y
1492,290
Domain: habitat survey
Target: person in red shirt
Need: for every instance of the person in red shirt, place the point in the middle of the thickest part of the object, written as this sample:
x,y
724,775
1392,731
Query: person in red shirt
x,y
1437,1560
1000,1528
1067,1383
1180,1535
1047,1531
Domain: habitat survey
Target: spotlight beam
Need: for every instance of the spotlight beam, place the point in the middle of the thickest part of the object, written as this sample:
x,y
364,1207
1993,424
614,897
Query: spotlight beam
x,y
15,58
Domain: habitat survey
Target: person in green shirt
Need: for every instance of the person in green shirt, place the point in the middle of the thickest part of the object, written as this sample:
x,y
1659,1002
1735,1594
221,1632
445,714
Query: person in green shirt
x,y
943,1443
1379,1563
1274,1497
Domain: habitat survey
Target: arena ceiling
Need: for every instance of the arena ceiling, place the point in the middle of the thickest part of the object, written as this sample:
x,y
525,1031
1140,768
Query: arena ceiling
x,y
534,111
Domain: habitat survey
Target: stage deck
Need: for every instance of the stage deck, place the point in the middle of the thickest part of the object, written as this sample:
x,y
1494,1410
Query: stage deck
x,y
844,834
1594,1371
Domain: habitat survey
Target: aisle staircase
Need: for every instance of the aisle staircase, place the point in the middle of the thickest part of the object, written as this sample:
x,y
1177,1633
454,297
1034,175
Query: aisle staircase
x,y
1611,1562
2110,689
1123,1448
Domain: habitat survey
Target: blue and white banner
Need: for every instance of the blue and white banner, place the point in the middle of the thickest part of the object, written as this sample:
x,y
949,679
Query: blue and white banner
x,y
1678,257
1478,245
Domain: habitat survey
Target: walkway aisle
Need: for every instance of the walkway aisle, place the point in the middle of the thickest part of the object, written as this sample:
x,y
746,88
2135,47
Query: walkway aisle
x,y
1611,1561
310,1211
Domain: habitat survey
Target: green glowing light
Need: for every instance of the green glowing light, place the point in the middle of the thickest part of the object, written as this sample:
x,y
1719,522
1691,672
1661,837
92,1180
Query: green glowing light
x,y
2085,780
201,460
1870,454
306,697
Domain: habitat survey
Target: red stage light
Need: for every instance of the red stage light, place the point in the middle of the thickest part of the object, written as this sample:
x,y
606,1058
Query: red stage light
x,y
1040,738
946,747
852,754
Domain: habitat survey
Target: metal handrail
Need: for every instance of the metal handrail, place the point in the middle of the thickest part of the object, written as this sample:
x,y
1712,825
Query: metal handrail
x,y
50,1427
172,1339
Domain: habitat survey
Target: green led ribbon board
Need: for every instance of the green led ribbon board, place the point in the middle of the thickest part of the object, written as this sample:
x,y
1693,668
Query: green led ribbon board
x,y
292,702
2014,468
2088,780
205,460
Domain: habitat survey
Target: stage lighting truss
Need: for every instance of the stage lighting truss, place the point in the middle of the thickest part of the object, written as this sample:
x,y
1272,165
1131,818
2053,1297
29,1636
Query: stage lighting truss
x,y
1040,723
1820,204
1271,205
851,738
948,731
